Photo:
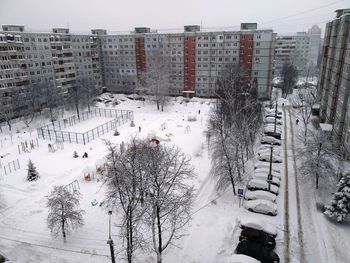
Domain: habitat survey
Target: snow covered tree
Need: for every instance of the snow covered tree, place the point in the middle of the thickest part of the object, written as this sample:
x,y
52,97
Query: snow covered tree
x,y
233,125
157,77
317,156
125,180
169,194
64,213
289,75
33,174
339,207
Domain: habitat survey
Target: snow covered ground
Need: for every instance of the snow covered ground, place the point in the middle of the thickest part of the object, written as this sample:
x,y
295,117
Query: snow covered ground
x,y
211,235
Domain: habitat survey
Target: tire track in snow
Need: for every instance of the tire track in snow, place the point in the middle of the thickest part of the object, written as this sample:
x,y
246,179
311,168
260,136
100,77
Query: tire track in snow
x,y
286,195
300,226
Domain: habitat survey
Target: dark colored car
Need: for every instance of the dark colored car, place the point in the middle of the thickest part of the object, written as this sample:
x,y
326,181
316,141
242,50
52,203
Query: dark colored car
x,y
273,134
260,252
253,235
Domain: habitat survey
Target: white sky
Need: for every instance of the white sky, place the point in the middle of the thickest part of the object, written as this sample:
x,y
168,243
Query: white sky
x,y
124,15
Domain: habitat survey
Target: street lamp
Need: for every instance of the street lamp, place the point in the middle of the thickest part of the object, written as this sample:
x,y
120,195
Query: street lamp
x,y
110,240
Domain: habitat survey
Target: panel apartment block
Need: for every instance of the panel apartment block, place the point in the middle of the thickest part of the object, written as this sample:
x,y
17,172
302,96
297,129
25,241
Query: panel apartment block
x,y
334,83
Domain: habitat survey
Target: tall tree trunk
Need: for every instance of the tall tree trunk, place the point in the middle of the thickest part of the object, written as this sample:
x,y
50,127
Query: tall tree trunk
x,y
63,231
129,237
159,227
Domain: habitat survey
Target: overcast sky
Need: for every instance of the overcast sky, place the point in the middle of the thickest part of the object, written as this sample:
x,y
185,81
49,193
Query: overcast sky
x,y
283,16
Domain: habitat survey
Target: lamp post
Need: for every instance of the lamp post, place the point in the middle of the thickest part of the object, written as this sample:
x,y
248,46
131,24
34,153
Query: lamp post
x,y
110,240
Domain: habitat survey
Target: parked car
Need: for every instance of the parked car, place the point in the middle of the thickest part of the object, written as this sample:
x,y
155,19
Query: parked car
x,y
272,111
258,184
273,115
260,194
240,258
257,236
275,181
271,127
263,172
272,120
261,206
270,140
261,165
262,253
275,135
268,149
265,157
258,224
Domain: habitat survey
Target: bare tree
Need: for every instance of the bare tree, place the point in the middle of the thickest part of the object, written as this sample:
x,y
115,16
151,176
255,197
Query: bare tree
x,y
237,114
87,90
125,190
317,157
157,77
169,195
289,75
31,103
64,213
53,99
305,100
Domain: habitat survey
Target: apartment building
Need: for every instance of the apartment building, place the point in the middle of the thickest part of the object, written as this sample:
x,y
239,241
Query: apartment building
x,y
302,50
196,58
334,83
13,74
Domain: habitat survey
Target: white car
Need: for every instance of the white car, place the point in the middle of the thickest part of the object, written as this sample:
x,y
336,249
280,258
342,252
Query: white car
x,y
240,258
258,184
260,165
272,120
260,194
272,111
261,206
265,172
265,157
275,181
257,224
272,129
270,140
267,150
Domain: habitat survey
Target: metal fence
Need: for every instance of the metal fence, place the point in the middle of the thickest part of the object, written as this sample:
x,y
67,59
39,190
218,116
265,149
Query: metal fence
x,y
53,131
10,167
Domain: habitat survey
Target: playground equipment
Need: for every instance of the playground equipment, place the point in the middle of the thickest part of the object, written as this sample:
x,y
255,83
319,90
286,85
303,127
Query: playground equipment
x,y
27,146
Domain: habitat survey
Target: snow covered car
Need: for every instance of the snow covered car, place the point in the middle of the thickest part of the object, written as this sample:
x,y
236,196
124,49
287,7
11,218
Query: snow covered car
x,y
270,140
240,258
265,157
273,115
271,127
267,150
261,206
275,181
258,184
258,224
260,252
272,120
263,172
260,194
272,112
261,165
253,235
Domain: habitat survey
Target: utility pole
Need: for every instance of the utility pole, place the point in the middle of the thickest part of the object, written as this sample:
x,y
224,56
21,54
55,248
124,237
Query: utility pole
x,y
110,240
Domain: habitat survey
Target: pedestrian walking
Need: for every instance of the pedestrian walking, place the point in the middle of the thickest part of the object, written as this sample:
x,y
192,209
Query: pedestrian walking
x,y
139,128
199,111
297,121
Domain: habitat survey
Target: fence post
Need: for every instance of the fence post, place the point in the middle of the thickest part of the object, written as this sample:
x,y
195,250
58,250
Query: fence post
x,y
83,138
48,131
18,164
76,137
69,137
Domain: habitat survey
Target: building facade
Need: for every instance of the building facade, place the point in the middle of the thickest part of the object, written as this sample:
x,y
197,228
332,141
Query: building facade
x,y
334,82
301,50
196,58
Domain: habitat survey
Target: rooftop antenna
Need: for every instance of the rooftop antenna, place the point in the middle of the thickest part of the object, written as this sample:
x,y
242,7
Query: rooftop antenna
x,y
201,26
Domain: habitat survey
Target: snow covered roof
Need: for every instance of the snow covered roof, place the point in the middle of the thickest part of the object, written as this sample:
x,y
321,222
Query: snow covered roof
x,y
326,127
